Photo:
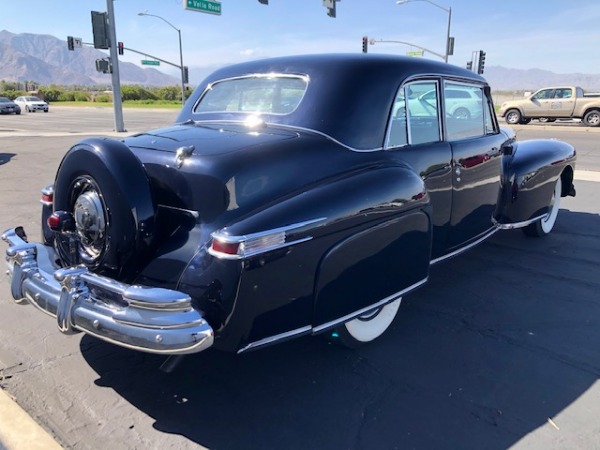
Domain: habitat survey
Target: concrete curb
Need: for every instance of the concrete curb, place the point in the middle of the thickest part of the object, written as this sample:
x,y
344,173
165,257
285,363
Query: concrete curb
x,y
18,431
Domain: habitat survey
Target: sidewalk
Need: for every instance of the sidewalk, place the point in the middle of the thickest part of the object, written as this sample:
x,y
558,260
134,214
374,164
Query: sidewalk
x,y
18,431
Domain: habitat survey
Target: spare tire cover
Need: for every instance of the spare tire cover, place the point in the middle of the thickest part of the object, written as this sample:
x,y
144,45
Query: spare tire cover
x,y
106,189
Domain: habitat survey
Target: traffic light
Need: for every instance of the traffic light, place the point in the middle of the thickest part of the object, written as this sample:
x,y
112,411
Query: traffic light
x,y
481,63
330,5
470,65
121,48
103,65
100,30
365,44
70,43
186,75
264,2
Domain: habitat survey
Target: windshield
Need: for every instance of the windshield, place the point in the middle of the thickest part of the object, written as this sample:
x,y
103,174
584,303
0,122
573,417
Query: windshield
x,y
4,100
33,99
269,94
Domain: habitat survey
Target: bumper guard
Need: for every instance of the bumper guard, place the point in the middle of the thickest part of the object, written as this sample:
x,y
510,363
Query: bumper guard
x,y
148,319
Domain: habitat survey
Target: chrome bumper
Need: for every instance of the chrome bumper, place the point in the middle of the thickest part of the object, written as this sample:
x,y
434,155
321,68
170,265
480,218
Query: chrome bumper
x,y
142,318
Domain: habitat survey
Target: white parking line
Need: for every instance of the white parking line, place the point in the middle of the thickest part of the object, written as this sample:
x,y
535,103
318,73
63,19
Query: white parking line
x,y
587,175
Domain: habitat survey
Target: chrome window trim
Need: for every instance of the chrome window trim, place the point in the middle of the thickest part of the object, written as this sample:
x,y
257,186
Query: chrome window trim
x,y
209,86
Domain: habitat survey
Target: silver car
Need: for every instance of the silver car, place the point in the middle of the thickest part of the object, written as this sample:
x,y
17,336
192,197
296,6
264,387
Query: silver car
x,y
31,104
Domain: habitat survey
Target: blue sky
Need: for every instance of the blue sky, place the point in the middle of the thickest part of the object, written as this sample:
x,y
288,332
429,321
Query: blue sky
x,y
555,35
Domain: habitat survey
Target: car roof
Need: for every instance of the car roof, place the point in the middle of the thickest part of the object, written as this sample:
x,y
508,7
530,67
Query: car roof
x,y
349,96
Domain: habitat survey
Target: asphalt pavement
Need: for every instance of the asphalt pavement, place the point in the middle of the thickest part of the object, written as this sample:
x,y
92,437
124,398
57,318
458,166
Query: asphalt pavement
x,y
499,349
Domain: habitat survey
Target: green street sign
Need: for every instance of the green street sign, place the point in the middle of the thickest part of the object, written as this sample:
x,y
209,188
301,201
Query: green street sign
x,y
415,53
203,6
149,62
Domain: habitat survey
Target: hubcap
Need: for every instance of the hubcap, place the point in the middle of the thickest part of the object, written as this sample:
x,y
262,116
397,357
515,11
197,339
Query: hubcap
x,y
513,117
594,119
90,222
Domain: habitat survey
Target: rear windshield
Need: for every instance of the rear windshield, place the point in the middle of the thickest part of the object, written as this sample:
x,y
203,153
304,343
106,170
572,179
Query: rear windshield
x,y
268,94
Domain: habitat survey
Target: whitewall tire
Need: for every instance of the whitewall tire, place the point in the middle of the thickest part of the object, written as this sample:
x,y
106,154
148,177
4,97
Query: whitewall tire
x,y
367,327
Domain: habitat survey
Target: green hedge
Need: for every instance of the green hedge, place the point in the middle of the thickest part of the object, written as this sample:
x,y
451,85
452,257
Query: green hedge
x,y
54,93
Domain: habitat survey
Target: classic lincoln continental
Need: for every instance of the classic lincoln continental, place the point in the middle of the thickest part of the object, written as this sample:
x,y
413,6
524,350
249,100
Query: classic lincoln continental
x,y
293,196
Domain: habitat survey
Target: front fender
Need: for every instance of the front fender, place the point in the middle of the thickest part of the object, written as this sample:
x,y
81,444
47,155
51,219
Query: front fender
x,y
529,175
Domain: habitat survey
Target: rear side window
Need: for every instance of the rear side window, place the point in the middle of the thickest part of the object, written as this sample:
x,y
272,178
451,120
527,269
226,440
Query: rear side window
x,y
415,115
269,94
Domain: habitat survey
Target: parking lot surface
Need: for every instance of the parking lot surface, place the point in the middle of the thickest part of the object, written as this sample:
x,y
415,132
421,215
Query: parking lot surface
x,y
499,350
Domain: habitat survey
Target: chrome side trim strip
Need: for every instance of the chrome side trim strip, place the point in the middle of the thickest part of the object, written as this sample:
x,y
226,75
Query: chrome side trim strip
x,y
221,235
276,338
314,330
464,249
386,300
512,226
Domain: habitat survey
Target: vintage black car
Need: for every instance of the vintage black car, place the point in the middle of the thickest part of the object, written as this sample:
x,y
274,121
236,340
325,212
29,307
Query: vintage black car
x,y
297,195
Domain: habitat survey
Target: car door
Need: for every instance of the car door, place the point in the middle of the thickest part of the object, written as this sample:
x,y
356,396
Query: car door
x,y
539,104
415,137
562,103
476,167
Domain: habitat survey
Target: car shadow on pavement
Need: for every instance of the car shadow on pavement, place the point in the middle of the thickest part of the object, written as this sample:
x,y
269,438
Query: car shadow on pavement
x,y
6,157
499,342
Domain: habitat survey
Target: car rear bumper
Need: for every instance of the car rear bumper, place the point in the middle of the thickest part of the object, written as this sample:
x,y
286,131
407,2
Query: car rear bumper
x,y
143,318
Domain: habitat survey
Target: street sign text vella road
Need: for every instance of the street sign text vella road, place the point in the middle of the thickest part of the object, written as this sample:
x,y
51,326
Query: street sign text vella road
x,y
204,6
150,62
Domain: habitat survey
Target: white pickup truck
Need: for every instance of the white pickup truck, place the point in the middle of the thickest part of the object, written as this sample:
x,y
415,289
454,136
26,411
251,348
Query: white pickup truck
x,y
549,104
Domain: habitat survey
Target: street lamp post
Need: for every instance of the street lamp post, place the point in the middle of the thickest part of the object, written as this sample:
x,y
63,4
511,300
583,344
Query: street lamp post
x,y
180,51
448,10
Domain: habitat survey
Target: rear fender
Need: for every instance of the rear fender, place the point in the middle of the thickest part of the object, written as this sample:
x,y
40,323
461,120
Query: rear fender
x,y
354,226
529,174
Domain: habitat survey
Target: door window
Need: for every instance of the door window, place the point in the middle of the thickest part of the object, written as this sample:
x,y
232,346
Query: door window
x,y
464,111
415,116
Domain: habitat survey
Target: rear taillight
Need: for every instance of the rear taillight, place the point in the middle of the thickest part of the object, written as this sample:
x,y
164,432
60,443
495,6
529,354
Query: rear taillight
x,y
47,196
61,221
224,248
227,246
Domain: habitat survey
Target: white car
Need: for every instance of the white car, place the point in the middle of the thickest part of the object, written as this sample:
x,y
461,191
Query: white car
x,y
31,104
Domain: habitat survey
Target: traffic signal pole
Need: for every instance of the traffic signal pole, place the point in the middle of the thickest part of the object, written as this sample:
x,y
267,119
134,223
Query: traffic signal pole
x,y
114,58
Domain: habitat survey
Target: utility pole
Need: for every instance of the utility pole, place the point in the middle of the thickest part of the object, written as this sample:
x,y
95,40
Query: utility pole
x,y
114,58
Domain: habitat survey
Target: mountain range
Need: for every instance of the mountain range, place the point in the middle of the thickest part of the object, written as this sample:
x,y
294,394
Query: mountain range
x,y
46,60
